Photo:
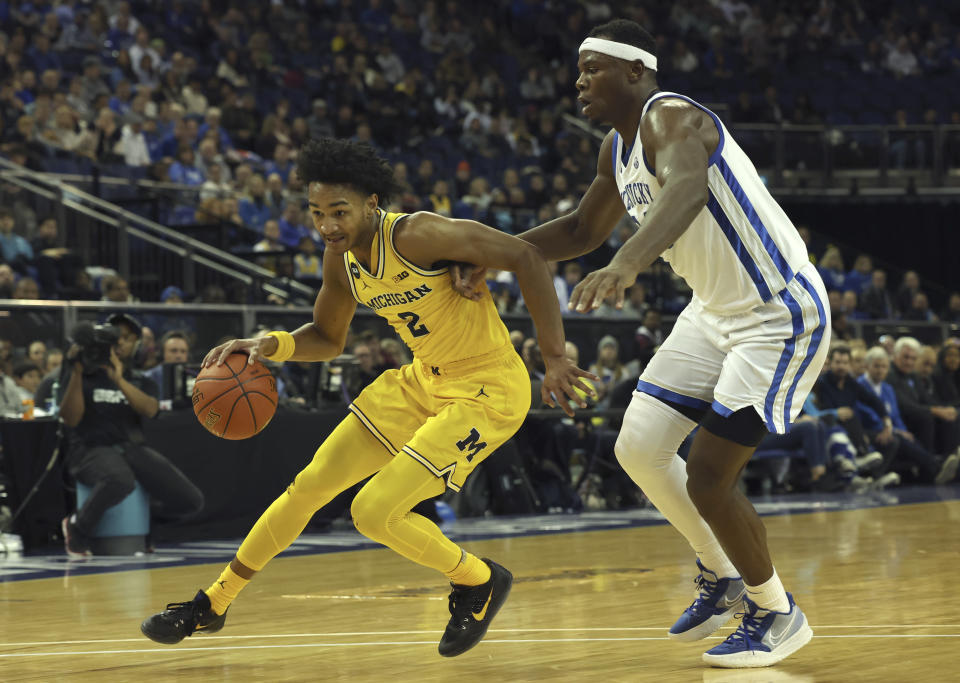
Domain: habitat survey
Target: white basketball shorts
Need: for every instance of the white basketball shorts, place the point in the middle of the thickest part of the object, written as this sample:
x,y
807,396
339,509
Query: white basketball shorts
x,y
768,358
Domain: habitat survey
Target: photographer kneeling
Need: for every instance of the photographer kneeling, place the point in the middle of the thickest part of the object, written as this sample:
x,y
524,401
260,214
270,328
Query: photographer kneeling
x,y
104,403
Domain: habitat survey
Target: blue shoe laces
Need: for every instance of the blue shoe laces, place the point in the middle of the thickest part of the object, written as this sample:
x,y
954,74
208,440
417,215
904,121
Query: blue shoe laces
x,y
705,586
749,632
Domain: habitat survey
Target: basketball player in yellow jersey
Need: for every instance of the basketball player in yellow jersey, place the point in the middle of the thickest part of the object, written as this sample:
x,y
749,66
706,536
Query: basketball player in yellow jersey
x,y
421,428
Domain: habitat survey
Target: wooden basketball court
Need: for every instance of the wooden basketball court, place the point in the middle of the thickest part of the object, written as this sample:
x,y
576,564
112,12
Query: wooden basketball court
x,y
877,584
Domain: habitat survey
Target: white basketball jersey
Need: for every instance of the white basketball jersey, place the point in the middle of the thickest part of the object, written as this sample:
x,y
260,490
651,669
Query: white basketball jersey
x,y
741,249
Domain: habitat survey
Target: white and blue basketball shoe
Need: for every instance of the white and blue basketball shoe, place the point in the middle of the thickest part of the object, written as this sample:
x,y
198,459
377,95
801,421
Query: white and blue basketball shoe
x,y
763,638
718,601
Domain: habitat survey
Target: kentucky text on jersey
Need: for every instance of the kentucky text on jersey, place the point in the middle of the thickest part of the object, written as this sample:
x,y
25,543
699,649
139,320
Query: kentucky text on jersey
x,y
385,300
634,194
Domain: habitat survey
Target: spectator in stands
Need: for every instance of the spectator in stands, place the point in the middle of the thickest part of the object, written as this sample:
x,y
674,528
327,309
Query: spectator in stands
x,y
905,293
93,83
683,60
831,269
133,142
106,137
908,453
951,313
281,164
319,122
369,367
209,158
53,361
608,367
229,69
8,281
174,348
37,353
184,170
858,279
14,249
306,264
875,300
211,128
837,391
104,407
66,133
254,209
804,113
10,402
648,336
26,376
115,288
274,196
901,61
270,243
907,147
214,189
919,309
935,426
850,307
946,376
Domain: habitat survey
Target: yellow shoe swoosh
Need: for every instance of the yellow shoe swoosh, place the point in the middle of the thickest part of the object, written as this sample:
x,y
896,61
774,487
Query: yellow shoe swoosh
x,y
479,616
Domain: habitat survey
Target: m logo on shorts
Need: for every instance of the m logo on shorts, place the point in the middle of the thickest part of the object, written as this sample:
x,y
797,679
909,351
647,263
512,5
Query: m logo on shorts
x,y
472,443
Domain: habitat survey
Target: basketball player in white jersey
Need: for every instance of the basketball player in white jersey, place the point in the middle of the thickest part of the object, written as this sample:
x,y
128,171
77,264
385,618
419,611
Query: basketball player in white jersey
x,y
742,356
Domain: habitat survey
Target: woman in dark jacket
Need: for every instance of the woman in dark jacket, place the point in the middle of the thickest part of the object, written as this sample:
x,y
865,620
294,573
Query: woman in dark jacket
x,y
946,376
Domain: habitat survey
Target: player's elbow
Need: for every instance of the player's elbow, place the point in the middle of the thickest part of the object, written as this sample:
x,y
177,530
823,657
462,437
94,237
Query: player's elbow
x,y
527,256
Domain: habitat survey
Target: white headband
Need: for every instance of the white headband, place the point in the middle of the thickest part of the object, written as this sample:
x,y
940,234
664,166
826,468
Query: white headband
x,y
620,51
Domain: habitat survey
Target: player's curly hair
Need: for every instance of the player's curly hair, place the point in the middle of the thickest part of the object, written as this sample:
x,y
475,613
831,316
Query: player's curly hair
x,y
342,162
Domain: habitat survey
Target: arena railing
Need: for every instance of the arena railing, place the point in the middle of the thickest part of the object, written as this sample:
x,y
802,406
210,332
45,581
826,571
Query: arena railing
x,y
137,246
844,159
22,322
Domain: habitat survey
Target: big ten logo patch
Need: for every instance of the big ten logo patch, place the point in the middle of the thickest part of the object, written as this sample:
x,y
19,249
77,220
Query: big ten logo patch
x,y
355,270
402,276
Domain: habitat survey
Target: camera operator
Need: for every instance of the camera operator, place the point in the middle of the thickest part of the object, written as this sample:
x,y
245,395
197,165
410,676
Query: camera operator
x,y
104,403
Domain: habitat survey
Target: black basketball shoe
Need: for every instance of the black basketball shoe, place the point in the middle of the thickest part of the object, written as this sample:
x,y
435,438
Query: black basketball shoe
x,y
472,608
181,619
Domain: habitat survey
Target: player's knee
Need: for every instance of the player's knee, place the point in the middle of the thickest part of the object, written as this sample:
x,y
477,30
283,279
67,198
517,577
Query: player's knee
x,y
703,484
369,515
648,442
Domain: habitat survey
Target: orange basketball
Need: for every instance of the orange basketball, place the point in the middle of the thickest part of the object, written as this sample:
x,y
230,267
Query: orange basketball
x,y
235,400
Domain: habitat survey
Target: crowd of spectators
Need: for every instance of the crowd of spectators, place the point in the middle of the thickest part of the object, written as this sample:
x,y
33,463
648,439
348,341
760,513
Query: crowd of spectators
x,y
466,99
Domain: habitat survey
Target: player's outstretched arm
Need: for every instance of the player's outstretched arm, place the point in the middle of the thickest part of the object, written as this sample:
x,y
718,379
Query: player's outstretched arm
x,y
678,139
569,236
587,227
425,238
320,340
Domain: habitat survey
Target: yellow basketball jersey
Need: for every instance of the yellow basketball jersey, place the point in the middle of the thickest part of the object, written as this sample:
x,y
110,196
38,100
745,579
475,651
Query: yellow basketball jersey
x,y
438,325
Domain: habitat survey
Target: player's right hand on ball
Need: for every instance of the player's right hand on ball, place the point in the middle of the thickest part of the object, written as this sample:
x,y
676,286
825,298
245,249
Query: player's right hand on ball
x,y
254,348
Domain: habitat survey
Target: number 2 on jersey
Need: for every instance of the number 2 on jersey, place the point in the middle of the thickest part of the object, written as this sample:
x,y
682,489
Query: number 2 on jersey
x,y
412,320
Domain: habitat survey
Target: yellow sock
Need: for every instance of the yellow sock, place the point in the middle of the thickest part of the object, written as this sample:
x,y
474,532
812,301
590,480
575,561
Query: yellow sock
x,y
225,589
472,571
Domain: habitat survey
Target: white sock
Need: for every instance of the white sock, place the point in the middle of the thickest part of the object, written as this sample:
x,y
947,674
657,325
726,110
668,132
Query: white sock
x,y
770,595
712,557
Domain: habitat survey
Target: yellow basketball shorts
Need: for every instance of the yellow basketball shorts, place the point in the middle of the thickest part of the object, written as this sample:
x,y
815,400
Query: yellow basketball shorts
x,y
448,418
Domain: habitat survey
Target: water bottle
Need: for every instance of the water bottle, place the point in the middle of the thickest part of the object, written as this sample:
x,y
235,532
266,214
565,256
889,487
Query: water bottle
x,y
53,403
